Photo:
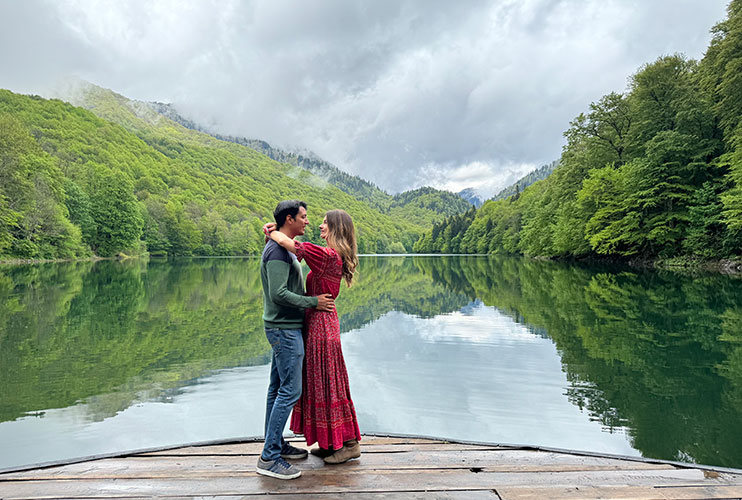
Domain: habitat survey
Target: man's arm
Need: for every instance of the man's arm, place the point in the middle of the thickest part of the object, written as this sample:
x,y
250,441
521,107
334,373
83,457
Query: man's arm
x,y
278,274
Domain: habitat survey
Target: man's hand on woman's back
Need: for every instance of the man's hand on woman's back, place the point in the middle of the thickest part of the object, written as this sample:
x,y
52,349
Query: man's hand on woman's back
x,y
325,303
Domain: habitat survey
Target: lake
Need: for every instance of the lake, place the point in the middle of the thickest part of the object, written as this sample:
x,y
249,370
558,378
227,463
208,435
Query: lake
x,y
112,356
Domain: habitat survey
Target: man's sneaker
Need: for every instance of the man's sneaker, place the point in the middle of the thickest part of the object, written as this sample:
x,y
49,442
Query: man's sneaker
x,y
292,452
278,468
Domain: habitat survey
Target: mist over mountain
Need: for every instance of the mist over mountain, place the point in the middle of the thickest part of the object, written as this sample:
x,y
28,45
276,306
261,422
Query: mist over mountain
x,y
518,186
471,195
430,204
351,184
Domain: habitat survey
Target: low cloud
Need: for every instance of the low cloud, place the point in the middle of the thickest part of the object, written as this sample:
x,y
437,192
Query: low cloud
x,y
402,93
486,178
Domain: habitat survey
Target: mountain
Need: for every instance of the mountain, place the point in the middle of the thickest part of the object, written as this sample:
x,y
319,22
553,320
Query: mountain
x,y
470,195
423,206
518,186
119,177
351,184
426,205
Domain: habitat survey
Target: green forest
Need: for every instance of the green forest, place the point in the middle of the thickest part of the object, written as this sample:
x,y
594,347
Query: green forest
x,y
119,178
654,172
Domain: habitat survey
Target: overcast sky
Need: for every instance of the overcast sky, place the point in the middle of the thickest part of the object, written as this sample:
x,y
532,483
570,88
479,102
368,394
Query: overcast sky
x,y
447,93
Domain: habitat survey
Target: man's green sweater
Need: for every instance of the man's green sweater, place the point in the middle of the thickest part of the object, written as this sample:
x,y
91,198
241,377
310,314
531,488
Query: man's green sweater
x,y
283,288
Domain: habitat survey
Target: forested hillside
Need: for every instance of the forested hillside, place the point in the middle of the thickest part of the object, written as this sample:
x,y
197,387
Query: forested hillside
x,y
653,172
74,184
423,206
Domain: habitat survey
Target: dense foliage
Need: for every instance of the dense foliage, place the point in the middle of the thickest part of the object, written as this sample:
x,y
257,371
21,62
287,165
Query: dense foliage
x,y
654,172
73,184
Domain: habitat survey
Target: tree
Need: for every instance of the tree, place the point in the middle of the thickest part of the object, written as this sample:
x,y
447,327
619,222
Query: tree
x,y
606,128
78,206
721,71
115,211
706,225
661,186
657,90
612,227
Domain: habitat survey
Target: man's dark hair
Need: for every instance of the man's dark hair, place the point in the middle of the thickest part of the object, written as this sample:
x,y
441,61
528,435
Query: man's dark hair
x,y
287,207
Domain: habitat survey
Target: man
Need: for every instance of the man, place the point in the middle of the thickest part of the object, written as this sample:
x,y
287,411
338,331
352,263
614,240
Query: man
x,y
283,315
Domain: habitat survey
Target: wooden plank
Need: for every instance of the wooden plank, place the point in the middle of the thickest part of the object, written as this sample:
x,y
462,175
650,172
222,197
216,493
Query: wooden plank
x,y
367,481
256,448
212,466
395,495
400,440
621,493
398,448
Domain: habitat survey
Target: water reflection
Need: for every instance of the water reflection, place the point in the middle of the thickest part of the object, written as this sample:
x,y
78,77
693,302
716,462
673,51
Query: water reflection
x,y
120,355
474,376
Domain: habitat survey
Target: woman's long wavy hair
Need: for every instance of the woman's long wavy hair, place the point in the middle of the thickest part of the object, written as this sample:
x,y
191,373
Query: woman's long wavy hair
x,y
341,235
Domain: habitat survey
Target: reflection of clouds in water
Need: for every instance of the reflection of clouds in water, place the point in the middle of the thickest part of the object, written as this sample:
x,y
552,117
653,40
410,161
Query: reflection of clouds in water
x,y
479,377
474,323
227,404
476,375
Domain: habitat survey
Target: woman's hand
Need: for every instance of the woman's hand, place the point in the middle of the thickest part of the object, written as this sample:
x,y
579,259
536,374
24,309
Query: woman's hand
x,y
272,234
268,229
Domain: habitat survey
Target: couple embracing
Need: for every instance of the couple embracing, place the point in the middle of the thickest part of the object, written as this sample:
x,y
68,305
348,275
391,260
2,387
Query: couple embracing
x,y
308,371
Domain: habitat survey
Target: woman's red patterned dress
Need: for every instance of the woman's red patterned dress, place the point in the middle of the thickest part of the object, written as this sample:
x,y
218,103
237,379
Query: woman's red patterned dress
x,y
325,413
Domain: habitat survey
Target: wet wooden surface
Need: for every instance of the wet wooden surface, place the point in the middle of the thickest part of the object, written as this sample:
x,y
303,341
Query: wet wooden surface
x,y
389,468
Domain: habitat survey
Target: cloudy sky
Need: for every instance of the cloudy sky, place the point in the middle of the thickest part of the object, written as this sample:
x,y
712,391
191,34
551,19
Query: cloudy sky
x,y
447,93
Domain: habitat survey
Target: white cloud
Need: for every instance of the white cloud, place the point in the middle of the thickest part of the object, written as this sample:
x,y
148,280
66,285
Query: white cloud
x,y
383,89
486,178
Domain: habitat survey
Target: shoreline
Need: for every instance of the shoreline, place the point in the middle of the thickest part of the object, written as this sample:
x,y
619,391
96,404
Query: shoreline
x,y
727,266
94,258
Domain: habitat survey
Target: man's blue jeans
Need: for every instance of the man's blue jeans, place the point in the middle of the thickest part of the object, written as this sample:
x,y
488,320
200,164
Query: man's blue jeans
x,y
284,389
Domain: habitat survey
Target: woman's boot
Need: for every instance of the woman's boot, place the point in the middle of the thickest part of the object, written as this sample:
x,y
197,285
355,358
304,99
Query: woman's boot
x,y
350,449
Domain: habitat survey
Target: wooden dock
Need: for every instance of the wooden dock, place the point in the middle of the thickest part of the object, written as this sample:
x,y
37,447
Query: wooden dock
x,y
390,468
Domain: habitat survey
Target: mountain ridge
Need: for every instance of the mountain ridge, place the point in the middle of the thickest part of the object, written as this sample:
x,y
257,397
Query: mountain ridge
x,y
352,184
518,186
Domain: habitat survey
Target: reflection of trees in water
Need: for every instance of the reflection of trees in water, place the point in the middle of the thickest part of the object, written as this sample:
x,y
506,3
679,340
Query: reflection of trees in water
x,y
113,333
76,331
394,284
660,353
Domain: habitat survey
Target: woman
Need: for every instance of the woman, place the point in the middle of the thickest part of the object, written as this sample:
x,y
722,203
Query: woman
x,y
325,413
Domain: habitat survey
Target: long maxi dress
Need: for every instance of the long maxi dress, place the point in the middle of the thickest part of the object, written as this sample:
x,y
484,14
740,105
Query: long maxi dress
x,y
325,413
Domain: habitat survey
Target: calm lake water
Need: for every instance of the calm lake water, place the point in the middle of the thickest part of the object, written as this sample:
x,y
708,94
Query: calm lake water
x,y
113,356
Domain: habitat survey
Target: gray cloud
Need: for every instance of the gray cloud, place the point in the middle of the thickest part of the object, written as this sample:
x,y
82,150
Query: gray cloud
x,y
403,93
